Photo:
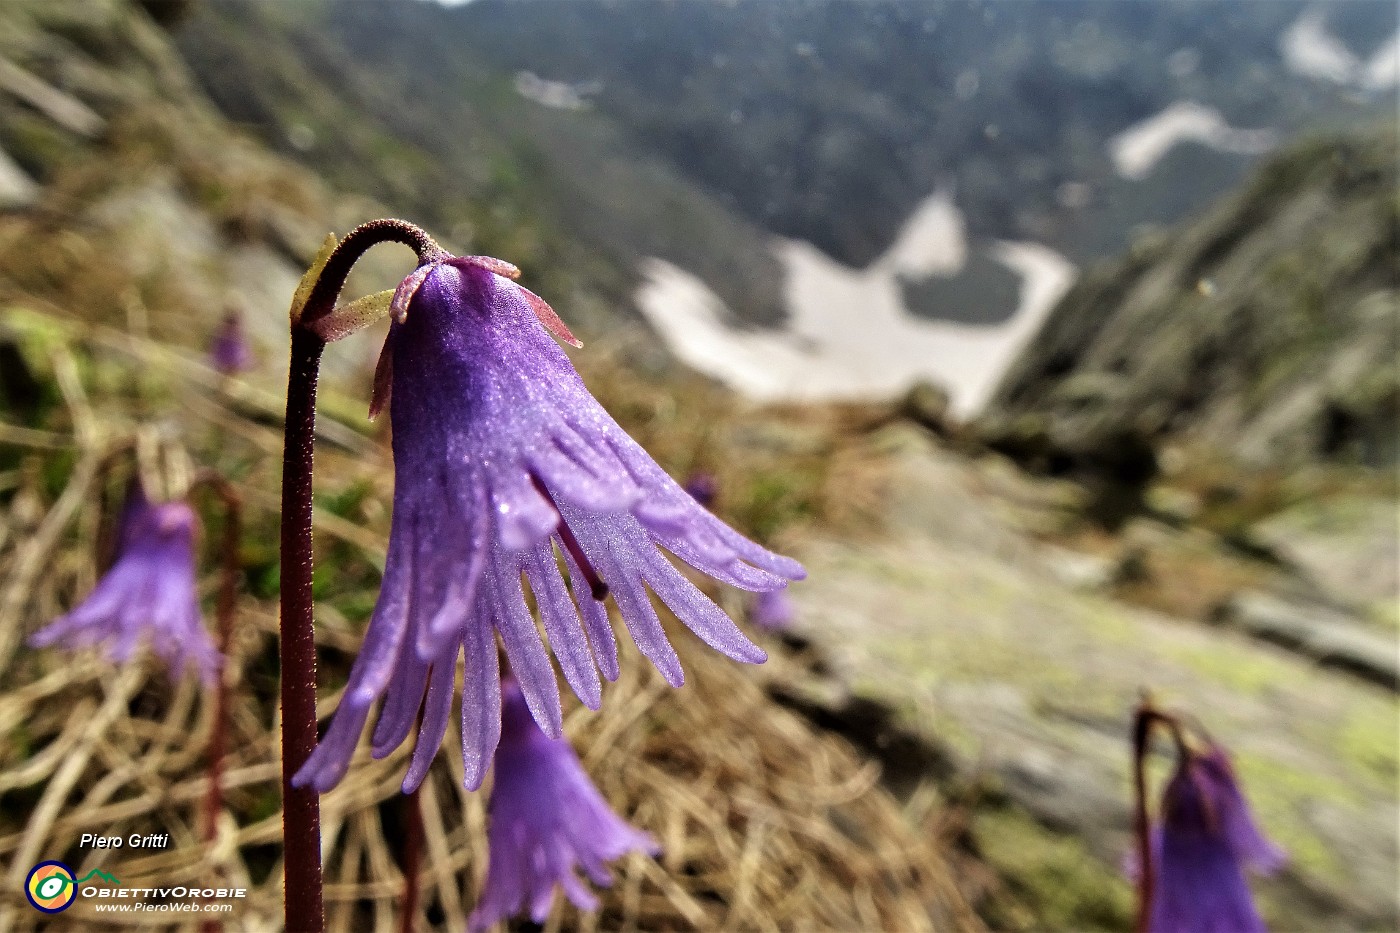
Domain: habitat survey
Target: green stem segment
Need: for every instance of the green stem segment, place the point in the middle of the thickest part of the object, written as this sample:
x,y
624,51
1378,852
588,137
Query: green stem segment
x,y
301,815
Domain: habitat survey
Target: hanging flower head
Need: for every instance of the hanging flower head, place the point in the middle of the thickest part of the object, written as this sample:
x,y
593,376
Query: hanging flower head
x,y
547,820
229,352
1205,840
148,594
505,465
773,610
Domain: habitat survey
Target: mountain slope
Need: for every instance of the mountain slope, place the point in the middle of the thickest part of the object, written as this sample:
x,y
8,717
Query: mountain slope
x,y
558,191
1266,329
828,121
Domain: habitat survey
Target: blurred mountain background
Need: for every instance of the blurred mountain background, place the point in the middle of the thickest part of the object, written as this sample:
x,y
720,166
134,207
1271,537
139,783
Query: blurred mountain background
x,y
1059,339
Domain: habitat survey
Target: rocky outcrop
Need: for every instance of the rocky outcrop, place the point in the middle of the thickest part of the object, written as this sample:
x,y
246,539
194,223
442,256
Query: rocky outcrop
x,y
1266,329
969,659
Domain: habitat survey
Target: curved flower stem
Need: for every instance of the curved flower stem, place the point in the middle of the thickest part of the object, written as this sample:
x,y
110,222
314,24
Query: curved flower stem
x,y
1144,719
227,603
301,815
1142,729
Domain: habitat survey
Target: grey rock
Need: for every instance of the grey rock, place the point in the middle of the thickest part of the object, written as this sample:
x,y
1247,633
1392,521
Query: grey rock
x,y
1024,685
1332,638
926,404
16,188
1267,329
62,108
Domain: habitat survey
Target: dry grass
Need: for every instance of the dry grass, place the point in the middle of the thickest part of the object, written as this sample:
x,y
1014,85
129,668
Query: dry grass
x,y
766,822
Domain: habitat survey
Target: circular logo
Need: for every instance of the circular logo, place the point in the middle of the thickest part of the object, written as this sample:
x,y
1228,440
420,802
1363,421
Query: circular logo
x,y
50,887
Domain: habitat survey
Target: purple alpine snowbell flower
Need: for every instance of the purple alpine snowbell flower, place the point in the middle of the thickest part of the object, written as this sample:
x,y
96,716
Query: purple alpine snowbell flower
x,y
1206,839
228,350
547,820
149,591
773,610
503,459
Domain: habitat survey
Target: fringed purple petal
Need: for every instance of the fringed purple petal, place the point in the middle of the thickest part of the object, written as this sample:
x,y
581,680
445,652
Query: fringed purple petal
x,y
595,620
635,605
368,675
695,609
1254,850
401,704
437,706
524,649
561,623
733,572
481,697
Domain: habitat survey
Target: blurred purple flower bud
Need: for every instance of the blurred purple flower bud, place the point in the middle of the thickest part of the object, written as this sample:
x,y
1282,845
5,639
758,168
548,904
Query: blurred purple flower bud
x,y
773,610
135,507
148,592
504,463
703,487
1206,839
547,820
229,352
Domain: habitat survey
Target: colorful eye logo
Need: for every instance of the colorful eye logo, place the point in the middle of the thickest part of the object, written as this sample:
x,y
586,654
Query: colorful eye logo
x,y
50,887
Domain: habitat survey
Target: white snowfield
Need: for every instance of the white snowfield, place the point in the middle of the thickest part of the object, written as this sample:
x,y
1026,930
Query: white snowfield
x,y
849,335
1309,49
1138,149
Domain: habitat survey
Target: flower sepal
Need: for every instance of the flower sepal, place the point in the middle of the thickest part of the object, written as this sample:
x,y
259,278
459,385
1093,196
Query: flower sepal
x,y
308,281
353,317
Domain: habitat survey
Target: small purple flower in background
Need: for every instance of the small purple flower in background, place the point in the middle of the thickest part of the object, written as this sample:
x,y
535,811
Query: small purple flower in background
x,y
134,509
703,487
773,610
148,593
1205,840
547,820
504,464
229,352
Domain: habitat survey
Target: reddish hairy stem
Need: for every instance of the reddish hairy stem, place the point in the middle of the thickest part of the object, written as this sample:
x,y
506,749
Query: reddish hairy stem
x,y
412,860
1142,730
301,814
1146,717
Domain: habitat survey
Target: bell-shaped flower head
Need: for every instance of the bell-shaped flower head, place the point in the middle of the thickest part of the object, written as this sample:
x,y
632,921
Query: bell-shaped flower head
x,y
229,352
148,594
547,821
773,610
1204,842
505,465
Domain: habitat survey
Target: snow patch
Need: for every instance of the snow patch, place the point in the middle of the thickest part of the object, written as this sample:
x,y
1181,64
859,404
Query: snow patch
x,y
1311,50
849,334
1138,149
